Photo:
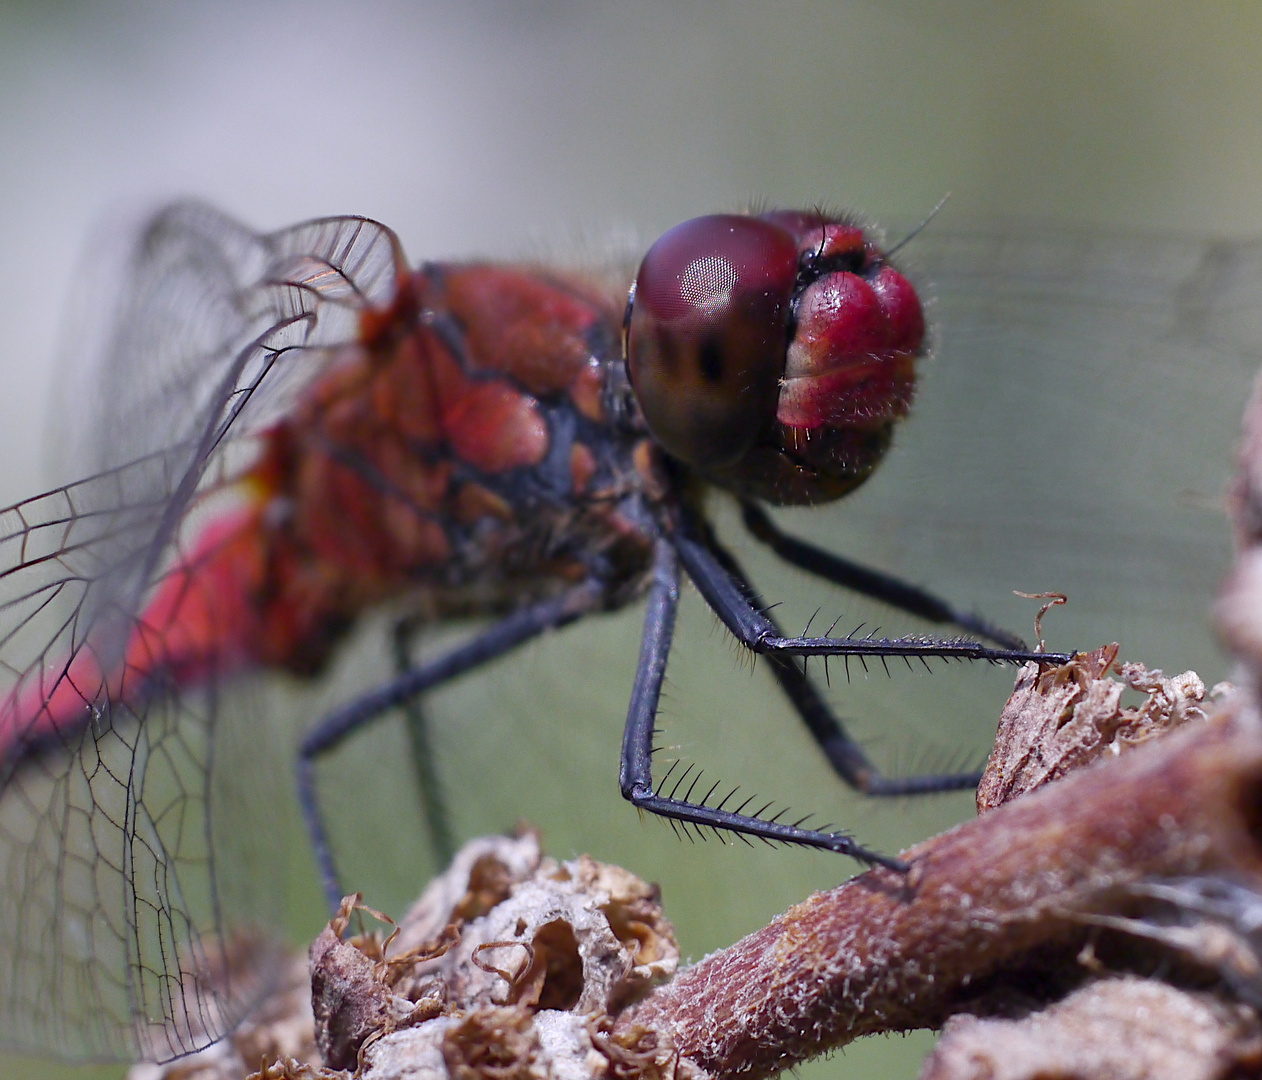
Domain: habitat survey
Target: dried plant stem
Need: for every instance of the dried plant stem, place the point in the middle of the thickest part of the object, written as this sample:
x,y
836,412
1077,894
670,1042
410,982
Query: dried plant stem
x,y
1012,891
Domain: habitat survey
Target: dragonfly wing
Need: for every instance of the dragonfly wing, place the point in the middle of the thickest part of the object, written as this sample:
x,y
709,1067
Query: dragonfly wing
x,y
117,938
1092,357
204,310
1074,430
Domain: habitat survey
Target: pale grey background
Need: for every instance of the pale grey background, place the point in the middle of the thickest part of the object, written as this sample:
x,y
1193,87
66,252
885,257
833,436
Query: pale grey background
x,y
496,128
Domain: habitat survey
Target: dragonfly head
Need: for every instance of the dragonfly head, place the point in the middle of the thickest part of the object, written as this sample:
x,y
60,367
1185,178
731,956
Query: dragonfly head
x,y
773,354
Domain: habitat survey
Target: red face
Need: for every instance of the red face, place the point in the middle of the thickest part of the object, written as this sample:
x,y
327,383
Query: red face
x,y
773,353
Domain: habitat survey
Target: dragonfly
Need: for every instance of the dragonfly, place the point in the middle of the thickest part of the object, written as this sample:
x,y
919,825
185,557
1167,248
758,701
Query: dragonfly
x,y
298,427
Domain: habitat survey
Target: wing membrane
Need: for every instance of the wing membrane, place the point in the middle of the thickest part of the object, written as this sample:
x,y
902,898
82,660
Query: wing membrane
x,y
128,925
1074,430
115,937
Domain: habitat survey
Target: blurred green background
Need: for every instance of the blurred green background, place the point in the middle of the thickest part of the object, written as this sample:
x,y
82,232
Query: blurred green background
x,y
507,129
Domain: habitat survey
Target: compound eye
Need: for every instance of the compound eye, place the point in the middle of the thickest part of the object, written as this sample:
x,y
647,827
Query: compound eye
x,y
707,335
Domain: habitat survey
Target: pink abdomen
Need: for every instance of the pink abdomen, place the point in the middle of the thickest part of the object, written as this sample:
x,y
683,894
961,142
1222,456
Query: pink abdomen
x,y
203,619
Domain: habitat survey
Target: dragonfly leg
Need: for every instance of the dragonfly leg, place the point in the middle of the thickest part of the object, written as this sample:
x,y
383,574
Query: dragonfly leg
x,y
498,639
735,606
722,581
844,754
636,772
868,582
421,743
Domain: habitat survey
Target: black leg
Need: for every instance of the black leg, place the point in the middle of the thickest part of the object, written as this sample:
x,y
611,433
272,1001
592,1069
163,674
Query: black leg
x,y
636,777
867,582
754,629
503,636
416,721
844,754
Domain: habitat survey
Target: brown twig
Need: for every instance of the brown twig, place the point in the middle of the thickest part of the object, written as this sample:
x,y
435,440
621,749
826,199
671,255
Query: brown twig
x,y
1003,914
1134,881
1007,913
1010,894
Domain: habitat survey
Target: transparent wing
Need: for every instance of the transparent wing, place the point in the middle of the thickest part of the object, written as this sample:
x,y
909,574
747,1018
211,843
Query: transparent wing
x,y
1074,430
1083,399
117,936
187,326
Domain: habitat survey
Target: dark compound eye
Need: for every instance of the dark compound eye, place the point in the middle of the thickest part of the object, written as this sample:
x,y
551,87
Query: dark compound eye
x,y
707,335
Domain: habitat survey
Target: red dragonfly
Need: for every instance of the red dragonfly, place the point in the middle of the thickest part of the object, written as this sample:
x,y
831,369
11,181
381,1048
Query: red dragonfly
x,y
324,430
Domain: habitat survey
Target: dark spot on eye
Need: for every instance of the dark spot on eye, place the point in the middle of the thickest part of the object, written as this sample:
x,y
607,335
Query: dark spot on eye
x,y
667,349
710,360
